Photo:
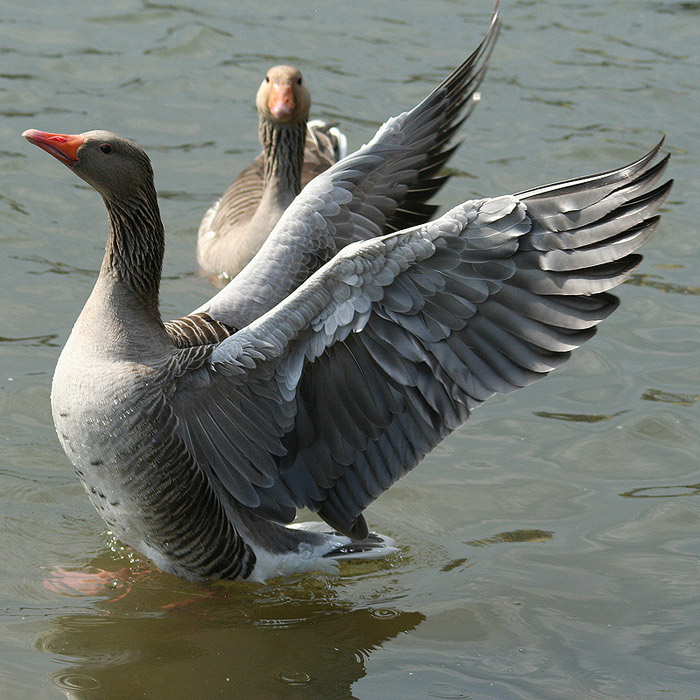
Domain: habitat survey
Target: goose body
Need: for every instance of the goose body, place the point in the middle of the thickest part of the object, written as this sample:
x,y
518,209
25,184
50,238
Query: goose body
x,y
319,384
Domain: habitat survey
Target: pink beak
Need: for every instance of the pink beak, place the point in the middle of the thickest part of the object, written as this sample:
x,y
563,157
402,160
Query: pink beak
x,y
281,101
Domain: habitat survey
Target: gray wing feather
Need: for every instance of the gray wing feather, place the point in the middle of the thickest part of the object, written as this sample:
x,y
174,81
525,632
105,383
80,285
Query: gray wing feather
x,y
329,398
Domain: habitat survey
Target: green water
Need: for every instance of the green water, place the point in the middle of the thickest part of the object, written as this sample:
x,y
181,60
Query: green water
x,y
550,547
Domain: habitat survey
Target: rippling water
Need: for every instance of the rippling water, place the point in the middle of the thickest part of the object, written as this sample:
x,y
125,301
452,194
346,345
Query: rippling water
x,y
549,548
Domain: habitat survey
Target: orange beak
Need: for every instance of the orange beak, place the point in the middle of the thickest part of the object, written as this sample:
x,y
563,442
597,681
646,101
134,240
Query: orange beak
x,y
281,101
62,146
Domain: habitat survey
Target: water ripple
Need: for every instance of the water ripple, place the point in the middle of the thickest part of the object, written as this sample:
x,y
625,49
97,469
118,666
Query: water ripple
x,y
671,397
654,282
663,491
579,417
513,536
32,341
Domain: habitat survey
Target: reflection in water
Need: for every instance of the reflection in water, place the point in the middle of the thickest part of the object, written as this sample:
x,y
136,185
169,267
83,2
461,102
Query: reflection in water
x,y
171,639
513,536
663,491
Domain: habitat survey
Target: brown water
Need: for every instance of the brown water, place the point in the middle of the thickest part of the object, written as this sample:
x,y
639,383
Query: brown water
x,y
549,548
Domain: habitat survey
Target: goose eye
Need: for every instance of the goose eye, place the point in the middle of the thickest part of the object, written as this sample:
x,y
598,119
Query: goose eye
x,y
106,148
299,81
267,78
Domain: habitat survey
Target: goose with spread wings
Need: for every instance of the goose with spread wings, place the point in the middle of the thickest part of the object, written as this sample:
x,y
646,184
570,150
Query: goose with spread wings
x,y
318,376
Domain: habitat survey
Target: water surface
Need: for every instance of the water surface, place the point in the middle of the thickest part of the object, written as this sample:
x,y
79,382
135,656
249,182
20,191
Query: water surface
x,y
549,548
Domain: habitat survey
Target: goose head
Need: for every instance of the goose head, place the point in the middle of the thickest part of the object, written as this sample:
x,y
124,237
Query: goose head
x,y
282,97
116,167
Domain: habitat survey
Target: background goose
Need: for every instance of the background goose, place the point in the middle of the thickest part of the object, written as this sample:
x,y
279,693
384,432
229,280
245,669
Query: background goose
x,y
195,442
235,227
294,151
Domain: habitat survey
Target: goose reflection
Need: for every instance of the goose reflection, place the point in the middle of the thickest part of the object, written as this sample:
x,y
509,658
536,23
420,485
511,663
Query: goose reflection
x,y
170,639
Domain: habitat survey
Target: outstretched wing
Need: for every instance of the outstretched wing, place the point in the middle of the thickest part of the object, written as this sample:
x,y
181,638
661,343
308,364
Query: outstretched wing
x,y
336,393
381,187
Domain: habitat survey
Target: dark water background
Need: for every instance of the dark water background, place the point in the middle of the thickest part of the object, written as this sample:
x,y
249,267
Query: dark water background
x,y
549,548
